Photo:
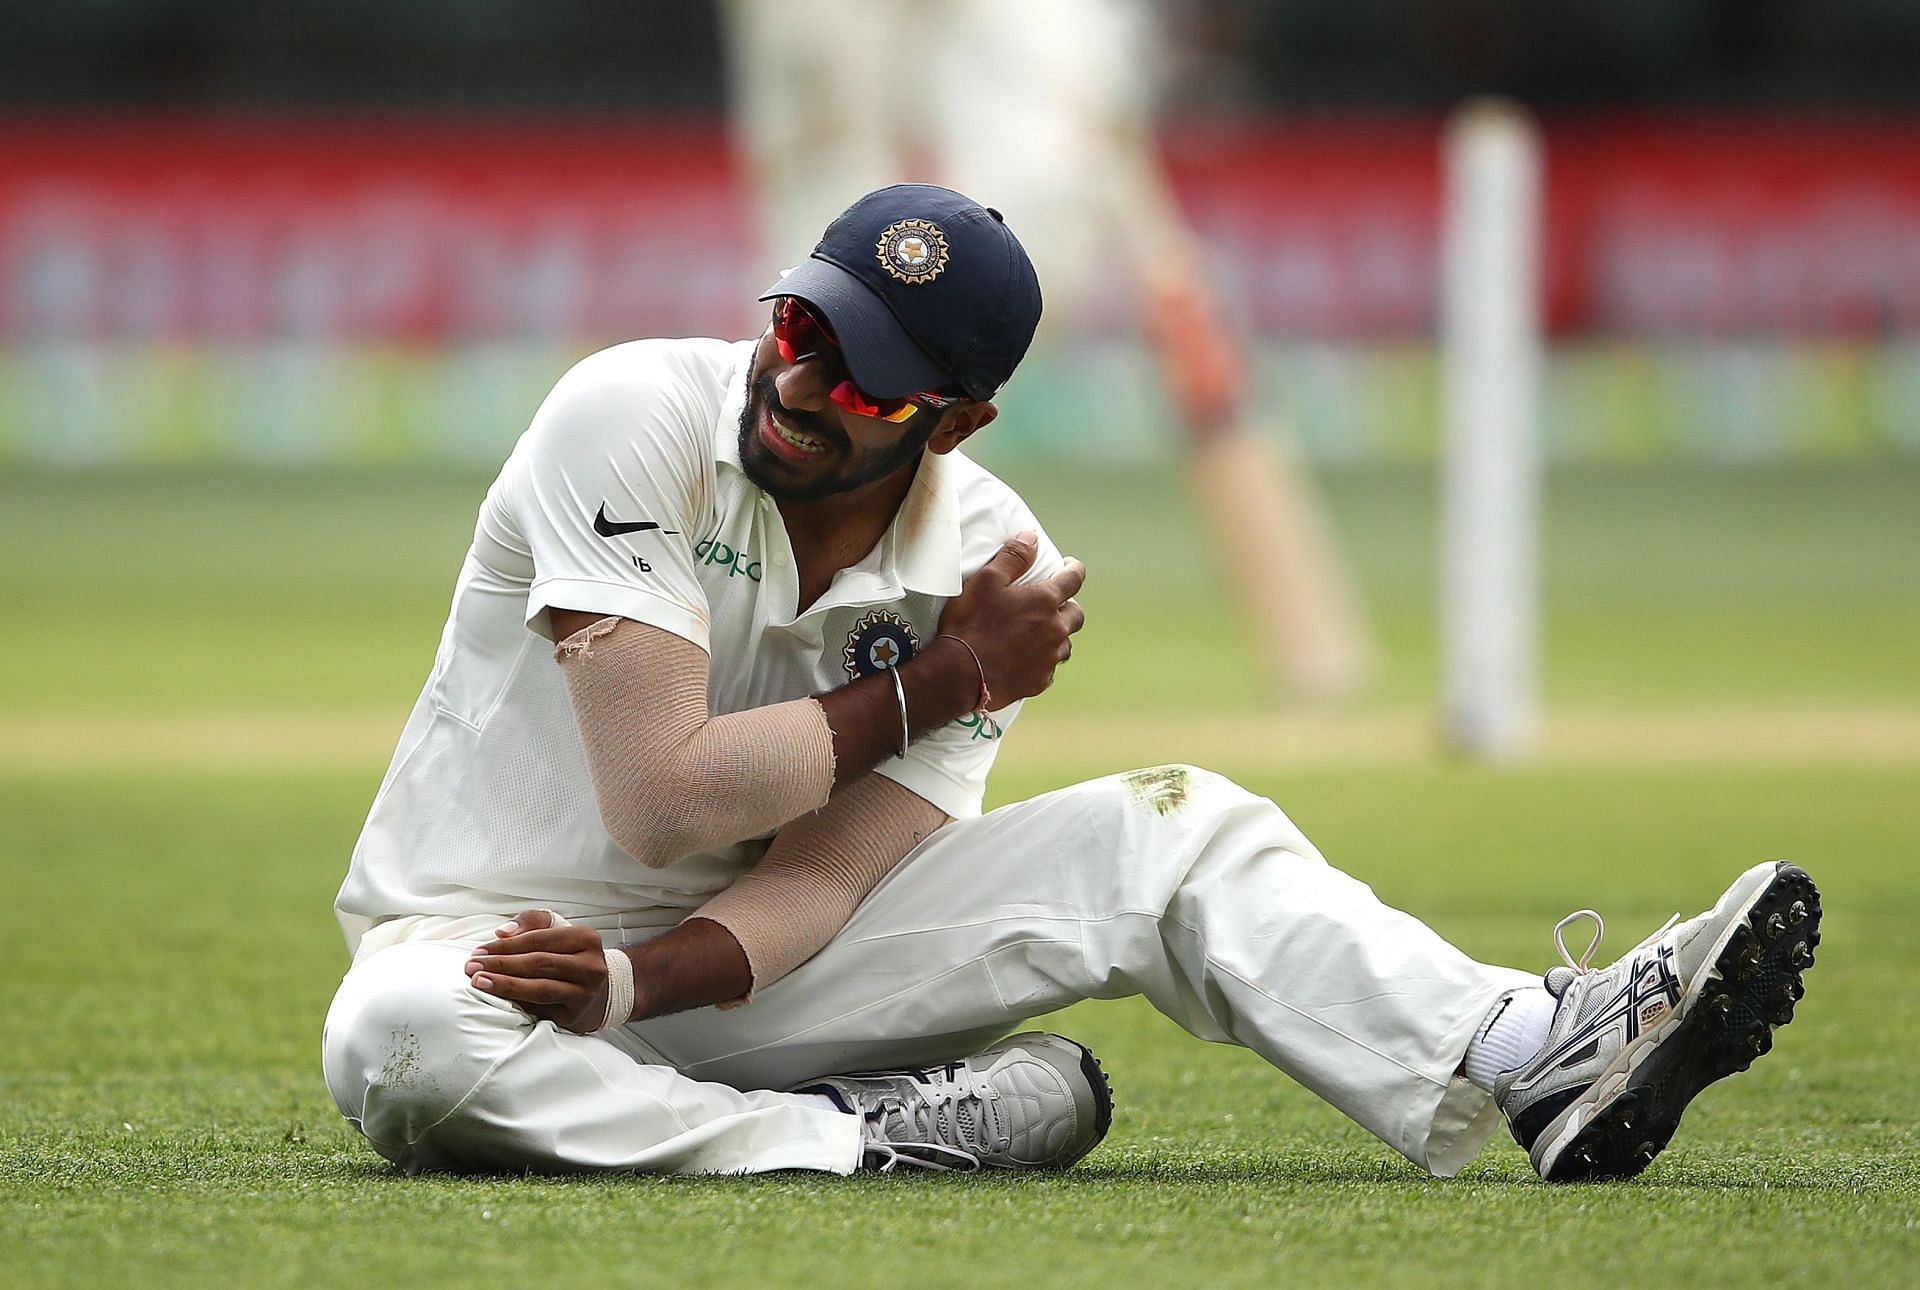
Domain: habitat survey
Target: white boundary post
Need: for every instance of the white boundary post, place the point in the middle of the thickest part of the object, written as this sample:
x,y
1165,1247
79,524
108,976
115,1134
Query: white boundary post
x,y
1490,359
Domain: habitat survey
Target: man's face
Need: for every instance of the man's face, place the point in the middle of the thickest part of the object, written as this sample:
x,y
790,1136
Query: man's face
x,y
796,444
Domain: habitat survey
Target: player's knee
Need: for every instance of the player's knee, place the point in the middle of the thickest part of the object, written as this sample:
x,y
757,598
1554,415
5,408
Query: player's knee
x,y
1179,795
407,1040
1162,817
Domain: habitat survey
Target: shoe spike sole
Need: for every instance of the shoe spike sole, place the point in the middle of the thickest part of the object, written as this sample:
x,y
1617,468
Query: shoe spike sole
x,y
1750,991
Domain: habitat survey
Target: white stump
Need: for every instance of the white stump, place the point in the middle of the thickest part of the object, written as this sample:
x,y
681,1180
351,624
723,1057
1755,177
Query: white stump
x,y
1490,358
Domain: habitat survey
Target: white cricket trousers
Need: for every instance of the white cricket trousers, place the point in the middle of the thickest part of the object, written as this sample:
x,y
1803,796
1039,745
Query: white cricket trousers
x,y
1172,883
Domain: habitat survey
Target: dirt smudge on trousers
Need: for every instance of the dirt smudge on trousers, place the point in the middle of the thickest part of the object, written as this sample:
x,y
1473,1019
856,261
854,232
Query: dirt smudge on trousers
x,y
1163,788
403,1067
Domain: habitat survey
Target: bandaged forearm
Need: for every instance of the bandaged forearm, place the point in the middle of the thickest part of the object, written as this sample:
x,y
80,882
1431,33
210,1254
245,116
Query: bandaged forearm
x,y
669,779
817,872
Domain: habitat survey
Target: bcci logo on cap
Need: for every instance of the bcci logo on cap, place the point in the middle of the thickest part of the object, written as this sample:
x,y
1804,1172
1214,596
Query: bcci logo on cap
x,y
913,250
880,640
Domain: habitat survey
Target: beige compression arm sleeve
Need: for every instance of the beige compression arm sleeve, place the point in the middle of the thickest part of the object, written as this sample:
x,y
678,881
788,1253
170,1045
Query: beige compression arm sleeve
x,y
669,779
818,871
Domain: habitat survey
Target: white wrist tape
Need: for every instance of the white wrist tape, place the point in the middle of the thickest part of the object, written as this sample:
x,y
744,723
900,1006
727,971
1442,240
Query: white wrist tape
x,y
619,988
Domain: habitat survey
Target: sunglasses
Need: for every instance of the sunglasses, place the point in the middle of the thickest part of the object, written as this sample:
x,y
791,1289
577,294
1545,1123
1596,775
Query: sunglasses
x,y
800,334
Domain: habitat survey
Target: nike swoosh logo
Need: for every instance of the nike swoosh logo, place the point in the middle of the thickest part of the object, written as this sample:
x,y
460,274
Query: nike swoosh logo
x,y
609,528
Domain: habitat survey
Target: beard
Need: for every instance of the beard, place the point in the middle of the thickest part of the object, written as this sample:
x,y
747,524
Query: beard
x,y
780,479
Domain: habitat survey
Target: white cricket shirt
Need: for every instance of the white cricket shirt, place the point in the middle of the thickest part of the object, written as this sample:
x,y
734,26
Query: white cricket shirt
x,y
487,808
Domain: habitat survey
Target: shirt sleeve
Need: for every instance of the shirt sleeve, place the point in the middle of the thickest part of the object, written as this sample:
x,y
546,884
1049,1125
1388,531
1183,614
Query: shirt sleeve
x,y
949,766
610,484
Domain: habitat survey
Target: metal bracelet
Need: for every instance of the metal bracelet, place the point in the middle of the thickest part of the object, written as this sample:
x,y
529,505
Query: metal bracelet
x,y
900,693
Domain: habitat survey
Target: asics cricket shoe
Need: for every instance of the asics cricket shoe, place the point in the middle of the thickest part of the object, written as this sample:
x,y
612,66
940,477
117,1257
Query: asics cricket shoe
x,y
1033,1101
1630,1045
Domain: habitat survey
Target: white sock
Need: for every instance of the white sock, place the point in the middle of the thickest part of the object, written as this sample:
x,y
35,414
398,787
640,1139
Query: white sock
x,y
1514,1032
821,1101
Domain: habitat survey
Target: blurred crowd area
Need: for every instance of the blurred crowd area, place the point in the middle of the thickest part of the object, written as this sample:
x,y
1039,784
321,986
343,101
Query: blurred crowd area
x,y
345,231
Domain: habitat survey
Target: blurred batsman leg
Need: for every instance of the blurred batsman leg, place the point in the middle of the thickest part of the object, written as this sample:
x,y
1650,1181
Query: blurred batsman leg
x,y
1073,82
816,114
1172,883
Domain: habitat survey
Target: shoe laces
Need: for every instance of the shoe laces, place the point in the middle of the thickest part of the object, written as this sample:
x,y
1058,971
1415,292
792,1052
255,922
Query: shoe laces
x,y
885,1157
942,1124
1584,964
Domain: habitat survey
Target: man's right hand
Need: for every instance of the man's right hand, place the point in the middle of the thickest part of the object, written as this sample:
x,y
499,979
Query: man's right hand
x,y
1020,633
551,969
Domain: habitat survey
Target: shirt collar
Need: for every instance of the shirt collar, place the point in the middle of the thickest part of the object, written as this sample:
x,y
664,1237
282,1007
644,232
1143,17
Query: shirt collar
x,y
726,430
920,550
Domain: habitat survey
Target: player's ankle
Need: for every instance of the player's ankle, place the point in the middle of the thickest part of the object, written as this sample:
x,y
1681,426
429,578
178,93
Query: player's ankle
x,y
1511,1034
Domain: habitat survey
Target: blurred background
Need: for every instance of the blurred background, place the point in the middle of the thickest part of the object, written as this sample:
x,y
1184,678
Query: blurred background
x,y
280,286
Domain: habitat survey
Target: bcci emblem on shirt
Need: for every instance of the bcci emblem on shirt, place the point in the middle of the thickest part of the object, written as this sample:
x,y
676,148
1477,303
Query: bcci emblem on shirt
x,y
880,640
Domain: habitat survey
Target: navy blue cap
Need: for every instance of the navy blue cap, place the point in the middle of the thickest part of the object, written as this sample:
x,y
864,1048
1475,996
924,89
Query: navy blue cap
x,y
925,289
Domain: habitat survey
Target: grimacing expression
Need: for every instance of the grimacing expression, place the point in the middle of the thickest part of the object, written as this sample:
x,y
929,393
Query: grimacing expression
x,y
810,448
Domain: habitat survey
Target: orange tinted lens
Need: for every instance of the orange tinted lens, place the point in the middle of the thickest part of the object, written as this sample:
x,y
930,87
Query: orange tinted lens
x,y
797,333
848,396
783,333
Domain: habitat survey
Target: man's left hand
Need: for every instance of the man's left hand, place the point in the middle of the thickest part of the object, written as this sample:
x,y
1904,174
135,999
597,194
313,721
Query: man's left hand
x,y
552,970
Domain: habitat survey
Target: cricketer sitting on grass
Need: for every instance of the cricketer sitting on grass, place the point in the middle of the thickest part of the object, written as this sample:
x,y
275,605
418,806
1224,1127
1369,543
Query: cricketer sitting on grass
x,y
686,825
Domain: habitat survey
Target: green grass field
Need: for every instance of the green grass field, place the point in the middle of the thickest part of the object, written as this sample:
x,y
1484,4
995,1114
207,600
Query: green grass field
x,y
162,1118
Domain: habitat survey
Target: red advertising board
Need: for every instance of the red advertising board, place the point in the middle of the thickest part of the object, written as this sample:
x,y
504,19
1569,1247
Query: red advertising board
x,y
419,232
